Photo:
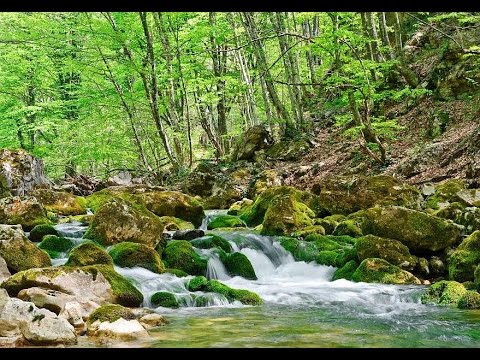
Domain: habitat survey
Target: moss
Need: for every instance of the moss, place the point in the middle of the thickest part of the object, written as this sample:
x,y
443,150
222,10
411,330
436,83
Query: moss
x,y
246,297
172,223
179,254
327,257
125,293
333,250
88,253
118,220
176,272
288,150
26,211
347,227
337,218
331,242
469,285
56,243
314,229
470,218
210,241
450,212
444,293
419,231
346,271
110,313
61,202
374,270
301,250
128,254
237,264
477,277
469,300
39,231
198,283
446,192
465,259
225,221
237,207
393,251
164,299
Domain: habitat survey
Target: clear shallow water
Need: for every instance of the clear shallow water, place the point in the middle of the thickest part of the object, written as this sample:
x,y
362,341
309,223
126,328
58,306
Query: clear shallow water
x,y
302,307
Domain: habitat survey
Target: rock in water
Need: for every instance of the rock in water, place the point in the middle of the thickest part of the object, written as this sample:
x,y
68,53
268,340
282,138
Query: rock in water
x,y
187,234
120,329
20,172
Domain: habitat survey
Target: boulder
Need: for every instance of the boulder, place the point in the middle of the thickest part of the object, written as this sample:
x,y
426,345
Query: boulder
x,y
444,293
266,179
238,206
348,194
56,246
469,300
288,150
225,221
118,220
393,251
20,172
76,313
129,254
254,139
188,234
26,211
179,254
60,202
164,299
237,264
468,217
346,271
246,297
39,231
121,329
464,260
171,223
4,272
152,320
446,193
375,270
18,252
212,241
420,232
88,253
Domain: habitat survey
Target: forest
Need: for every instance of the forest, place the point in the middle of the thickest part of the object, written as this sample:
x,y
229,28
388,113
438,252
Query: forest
x,y
292,179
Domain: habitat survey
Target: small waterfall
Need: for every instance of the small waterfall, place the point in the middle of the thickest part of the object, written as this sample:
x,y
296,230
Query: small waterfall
x,y
209,216
73,231
215,267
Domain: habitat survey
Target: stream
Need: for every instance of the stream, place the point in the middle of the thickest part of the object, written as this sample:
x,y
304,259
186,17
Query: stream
x,y
302,307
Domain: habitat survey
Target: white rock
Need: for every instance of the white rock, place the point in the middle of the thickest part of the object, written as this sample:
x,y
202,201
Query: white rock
x,y
77,312
120,329
49,331
52,300
152,320
4,273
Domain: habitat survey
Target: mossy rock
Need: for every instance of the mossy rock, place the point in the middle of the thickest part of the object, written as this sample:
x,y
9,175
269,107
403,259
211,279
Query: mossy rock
x,y
375,270
477,277
164,299
225,221
61,202
117,221
470,218
39,231
469,300
246,297
210,241
176,272
348,194
446,192
18,252
237,207
110,313
55,243
179,254
314,229
347,227
420,232
444,293
254,139
237,264
346,271
327,257
450,212
288,150
88,253
327,225
300,250
128,254
465,259
26,211
172,223
371,246
198,283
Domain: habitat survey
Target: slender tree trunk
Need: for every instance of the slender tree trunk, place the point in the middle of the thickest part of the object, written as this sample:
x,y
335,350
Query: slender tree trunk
x,y
369,44
372,28
385,37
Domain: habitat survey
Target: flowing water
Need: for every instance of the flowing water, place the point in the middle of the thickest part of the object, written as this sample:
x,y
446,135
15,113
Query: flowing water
x,y
302,307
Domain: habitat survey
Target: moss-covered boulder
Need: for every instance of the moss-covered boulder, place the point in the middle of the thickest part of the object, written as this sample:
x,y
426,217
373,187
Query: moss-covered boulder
x,y
375,270
198,283
238,206
117,221
174,203
465,259
346,271
393,251
225,221
469,300
172,223
61,202
288,150
98,283
263,181
88,253
26,211
18,252
129,254
347,227
110,313
164,299
246,297
179,254
444,293
55,245
210,241
39,231
301,250
445,193
314,229
237,264
417,230
348,194
253,140
176,272
470,218
477,277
